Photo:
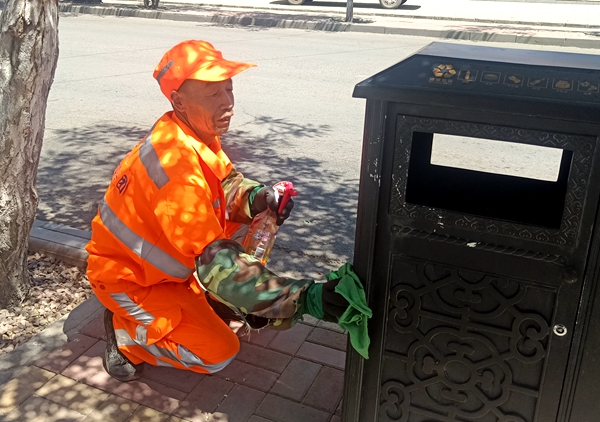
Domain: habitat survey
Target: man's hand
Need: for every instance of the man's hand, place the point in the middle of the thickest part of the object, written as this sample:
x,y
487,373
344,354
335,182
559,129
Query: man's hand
x,y
266,197
334,304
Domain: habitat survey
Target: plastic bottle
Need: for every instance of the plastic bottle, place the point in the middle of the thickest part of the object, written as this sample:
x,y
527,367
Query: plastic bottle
x,y
261,235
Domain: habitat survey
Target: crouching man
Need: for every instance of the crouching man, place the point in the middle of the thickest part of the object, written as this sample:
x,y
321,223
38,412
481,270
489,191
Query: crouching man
x,y
174,203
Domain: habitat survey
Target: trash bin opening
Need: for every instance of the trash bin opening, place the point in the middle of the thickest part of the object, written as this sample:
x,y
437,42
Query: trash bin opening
x,y
496,179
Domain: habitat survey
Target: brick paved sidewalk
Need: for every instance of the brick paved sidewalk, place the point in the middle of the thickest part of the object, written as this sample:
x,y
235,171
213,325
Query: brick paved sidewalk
x,y
291,376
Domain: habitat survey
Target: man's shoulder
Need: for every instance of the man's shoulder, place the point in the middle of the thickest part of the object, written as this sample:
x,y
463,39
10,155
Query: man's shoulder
x,y
175,151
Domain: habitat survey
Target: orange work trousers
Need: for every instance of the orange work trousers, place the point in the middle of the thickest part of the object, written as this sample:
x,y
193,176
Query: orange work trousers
x,y
171,324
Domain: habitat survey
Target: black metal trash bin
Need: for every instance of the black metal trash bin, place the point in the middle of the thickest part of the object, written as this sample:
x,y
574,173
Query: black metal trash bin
x,y
477,238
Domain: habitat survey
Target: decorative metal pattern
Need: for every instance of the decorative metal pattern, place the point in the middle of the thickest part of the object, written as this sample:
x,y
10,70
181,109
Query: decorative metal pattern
x,y
581,146
463,345
506,250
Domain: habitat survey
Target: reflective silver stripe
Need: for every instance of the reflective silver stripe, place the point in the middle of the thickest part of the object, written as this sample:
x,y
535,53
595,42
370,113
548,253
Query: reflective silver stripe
x,y
163,71
141,247
188,359
151,162
141,334
217,203
160,362
132,308
124,339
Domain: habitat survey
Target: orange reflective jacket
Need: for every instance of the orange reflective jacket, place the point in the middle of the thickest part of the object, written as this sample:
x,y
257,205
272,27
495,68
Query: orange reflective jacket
x,y
164,205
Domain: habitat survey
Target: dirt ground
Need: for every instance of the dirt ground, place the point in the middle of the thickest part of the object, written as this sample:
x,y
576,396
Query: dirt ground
x,y
56,289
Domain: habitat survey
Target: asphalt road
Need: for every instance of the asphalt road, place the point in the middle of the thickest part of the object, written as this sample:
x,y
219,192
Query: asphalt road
x,y
534,12
295,119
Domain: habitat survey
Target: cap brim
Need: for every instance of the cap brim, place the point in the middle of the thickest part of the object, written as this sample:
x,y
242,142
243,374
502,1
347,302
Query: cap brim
x,y
219,70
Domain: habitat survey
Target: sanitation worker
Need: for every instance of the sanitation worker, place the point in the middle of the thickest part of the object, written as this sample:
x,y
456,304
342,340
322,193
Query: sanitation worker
x,y
161,257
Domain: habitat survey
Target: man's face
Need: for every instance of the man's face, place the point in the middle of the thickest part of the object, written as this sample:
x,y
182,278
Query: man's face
x,y
207,107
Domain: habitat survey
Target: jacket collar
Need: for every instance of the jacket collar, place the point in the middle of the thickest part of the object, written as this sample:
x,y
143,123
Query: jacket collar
x,y
212,155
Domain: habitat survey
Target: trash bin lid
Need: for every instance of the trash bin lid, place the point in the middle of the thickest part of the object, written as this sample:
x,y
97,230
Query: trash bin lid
x,y
453,74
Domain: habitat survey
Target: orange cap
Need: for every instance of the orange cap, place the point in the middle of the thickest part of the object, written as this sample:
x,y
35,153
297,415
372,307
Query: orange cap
x,y
194,59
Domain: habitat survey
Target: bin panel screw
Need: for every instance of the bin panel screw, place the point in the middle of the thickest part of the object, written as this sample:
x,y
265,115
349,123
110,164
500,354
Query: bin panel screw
x,y
560,330
569,276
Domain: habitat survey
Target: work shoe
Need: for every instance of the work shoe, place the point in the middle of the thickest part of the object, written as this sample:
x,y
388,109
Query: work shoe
x,y
114,362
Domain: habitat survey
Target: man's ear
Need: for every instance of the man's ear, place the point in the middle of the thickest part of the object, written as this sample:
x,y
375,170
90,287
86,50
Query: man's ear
x,y
177,101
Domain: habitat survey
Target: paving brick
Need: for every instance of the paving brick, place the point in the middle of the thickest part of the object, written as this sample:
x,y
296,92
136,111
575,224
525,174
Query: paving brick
x,y
113,409
95,328
338,411
295,381
249,375
43,410
176,378
289,341
321,354
145,414
18,389
330,326
255,418
82,368
263,358
101,379
88,369
328,338
336,418
82,315
72,394
239,404
59,359
327,390
204,399
279,409
258,337
104,381
149,393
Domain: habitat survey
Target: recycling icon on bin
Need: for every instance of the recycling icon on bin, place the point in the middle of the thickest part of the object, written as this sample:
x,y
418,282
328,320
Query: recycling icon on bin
x,y
444,71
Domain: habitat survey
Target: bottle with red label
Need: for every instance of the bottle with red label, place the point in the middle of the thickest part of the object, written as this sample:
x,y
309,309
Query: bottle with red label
x,y
262,232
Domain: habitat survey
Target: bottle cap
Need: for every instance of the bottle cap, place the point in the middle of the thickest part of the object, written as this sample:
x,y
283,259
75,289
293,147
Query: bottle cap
x,y
286,190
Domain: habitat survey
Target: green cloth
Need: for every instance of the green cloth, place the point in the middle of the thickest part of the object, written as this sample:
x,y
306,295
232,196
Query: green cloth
x,y
313,305
355,318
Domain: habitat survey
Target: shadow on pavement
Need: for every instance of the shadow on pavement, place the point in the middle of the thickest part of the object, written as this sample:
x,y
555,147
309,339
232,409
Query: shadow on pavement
x,y
71,180
324,215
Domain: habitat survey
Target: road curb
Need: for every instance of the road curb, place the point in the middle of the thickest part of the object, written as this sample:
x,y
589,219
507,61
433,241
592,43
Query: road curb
x,y
452,31
364,13
61,242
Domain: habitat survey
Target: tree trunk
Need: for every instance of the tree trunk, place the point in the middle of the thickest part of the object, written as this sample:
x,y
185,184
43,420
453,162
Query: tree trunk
x,y
28,56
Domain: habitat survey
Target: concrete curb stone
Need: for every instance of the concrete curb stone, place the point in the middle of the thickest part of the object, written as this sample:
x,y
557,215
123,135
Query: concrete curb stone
x,y
61,242
282,6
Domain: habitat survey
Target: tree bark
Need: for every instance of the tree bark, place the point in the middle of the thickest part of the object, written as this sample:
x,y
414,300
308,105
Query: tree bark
x,y
28,56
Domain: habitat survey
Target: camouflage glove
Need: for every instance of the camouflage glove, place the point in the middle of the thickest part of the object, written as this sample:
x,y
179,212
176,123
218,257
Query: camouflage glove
x,y
334,304
248,288
263,197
